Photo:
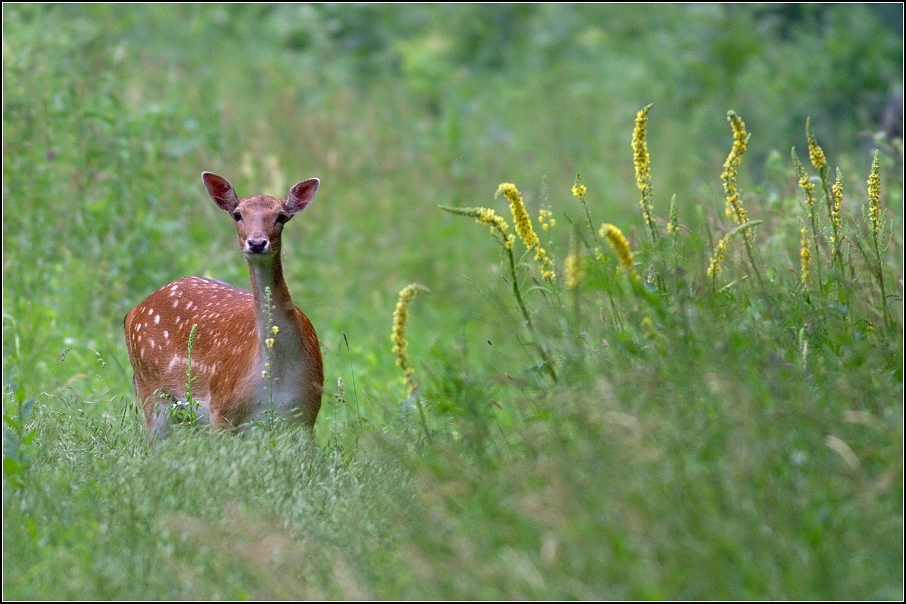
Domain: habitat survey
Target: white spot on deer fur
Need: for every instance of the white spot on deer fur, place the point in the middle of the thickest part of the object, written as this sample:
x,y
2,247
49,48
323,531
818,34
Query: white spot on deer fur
x,y
175,303
188,305
166,335
156,319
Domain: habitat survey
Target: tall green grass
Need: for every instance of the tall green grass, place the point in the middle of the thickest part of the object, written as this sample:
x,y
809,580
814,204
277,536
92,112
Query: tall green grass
x,y
677,435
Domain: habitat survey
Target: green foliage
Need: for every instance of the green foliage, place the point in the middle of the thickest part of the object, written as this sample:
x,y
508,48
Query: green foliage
x,y
188,411
679,436
17,435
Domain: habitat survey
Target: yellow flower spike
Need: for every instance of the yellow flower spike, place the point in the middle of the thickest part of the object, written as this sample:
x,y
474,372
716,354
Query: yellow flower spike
x,y
640,157
269,342
572,271
523,227
837,193
642,162
720,252
806,257
874,195
579,191
815,153
398,333
673,221
520,215
808,186
805,182
547,266
275,330
487,217
740,140
620,246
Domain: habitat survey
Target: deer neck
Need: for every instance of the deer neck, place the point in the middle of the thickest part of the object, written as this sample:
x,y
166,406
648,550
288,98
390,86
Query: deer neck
x,y
267,276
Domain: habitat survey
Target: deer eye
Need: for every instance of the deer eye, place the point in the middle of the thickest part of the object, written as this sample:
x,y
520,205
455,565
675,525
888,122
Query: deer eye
x,y
282,218
237,216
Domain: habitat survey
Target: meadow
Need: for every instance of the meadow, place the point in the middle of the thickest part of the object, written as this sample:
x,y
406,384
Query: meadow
x,y
650,262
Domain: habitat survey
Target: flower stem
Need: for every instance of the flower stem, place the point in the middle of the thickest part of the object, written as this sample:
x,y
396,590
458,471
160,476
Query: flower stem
x,y
548,364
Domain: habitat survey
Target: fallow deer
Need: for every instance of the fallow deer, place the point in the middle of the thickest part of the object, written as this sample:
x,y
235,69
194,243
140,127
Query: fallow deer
x,y
253,353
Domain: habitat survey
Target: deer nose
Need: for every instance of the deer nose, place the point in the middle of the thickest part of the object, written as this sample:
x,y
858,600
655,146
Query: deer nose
x,y
256,245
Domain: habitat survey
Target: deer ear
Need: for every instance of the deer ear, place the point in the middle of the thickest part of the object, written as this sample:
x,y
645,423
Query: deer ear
x,y
300,196
221,191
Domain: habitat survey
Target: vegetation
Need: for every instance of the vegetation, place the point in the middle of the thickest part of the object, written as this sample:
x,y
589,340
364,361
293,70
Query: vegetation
x,y
674,370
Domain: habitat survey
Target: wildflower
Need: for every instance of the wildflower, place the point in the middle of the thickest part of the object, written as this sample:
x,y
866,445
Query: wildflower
x,y
579,189
546,263
572,270
618,242
520,215
740,139
269,342
806,257
487,217
523,226
874,196
804,182
490,218
275,330
815,153
720,252
398,334
642,162
545,220
673,221
837,192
